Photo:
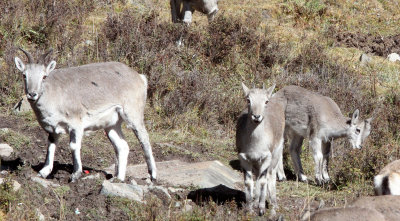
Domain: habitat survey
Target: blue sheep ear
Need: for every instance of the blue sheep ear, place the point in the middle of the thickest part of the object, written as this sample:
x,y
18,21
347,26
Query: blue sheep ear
x,y
20,64
245,89
51,66
354,118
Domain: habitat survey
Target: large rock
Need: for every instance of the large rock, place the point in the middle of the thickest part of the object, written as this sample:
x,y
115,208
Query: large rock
x,y
177,173
130,191
5,150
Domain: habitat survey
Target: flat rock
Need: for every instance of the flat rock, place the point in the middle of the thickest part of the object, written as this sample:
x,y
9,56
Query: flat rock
x,y
43,182
5,150
177,173
132,192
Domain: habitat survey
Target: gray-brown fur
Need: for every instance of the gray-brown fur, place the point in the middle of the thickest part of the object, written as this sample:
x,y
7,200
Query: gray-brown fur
x,y
86,98
309,114
182,10
388,206
347,214
259,142
387,182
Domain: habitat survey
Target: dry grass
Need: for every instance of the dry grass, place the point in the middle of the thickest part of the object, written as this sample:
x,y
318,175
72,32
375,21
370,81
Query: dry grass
x,y
194,92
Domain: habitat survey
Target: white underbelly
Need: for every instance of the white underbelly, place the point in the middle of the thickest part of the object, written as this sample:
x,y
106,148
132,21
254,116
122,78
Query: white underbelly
x,y
102,119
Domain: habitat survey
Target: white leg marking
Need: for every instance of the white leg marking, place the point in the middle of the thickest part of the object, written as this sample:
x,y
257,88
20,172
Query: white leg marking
x,y
295,151
326,150
378,185
248,181
48,166
394,183
315,145
280,170
121,149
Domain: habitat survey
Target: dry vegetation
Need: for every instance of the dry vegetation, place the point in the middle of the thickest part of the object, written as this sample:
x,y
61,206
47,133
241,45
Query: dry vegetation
x,y
194,91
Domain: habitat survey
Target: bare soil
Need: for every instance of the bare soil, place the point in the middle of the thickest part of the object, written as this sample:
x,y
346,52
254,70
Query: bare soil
x,y
370,44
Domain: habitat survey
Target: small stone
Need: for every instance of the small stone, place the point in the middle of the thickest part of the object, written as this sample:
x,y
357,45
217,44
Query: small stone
x,y
133,192
174,190
43,182
365,59
93,176
5,150
187,207
89,42
393,57
4,130
177,204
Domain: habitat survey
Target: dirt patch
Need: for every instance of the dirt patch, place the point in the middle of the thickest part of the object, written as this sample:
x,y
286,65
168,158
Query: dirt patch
x,y
371,44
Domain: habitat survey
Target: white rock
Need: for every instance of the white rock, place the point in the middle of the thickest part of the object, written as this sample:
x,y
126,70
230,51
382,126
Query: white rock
x,y
129,191
5,150
43,182
393,57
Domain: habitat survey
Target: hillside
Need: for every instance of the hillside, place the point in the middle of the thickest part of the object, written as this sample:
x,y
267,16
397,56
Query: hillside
x,y
194,95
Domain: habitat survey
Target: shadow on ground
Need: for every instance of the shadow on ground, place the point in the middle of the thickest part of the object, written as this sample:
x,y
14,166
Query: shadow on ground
x,y
67,169
220,194
11,165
